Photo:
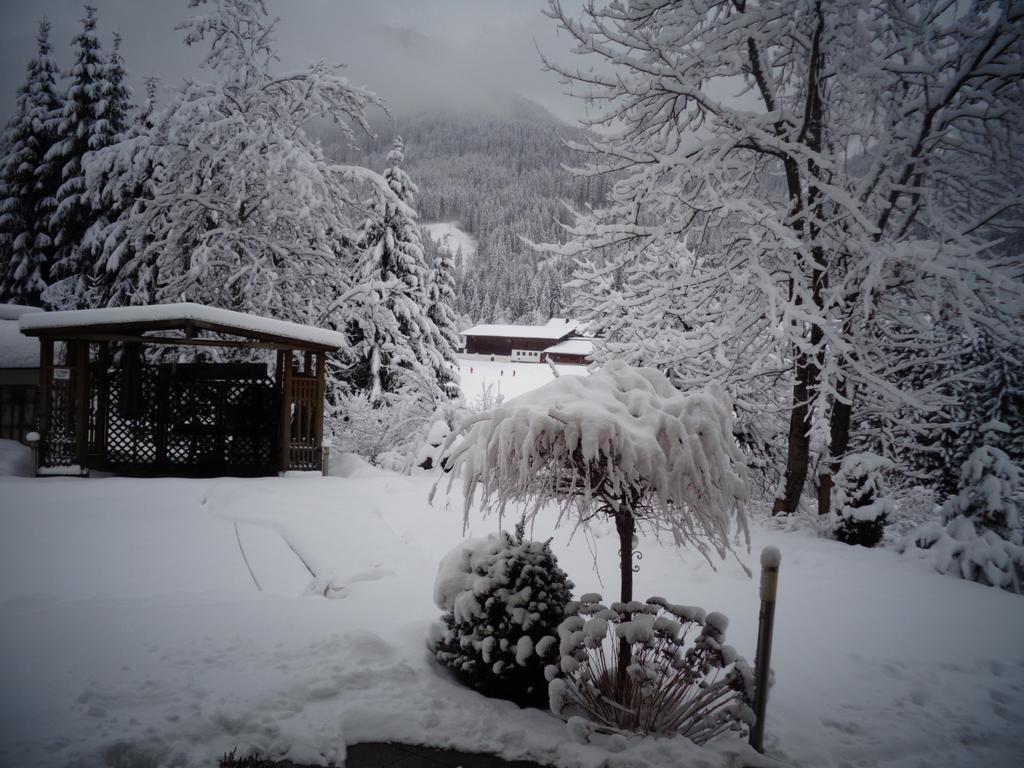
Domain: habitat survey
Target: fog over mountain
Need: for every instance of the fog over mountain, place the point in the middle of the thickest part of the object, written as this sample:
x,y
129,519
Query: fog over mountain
x,y
451,53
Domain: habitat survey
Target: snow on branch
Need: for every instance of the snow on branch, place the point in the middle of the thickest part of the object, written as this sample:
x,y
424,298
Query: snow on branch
x,y
622,436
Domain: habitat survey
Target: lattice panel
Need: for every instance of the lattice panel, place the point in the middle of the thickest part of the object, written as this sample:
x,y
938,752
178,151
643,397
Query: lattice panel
x,y
17,410
306,433
132,442
226,424
192,425
59,448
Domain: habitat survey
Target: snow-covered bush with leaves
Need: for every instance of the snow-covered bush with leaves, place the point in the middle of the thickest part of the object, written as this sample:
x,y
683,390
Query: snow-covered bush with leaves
x,y
861,504
682,679
981,537
372,430
501,596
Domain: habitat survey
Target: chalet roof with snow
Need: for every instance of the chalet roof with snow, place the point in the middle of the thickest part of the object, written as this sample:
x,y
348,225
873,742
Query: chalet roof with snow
x,y
573,346
185,317
554,332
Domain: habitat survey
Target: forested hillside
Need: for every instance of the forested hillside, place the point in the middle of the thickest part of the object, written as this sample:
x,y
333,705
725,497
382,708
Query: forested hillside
x,y
499,174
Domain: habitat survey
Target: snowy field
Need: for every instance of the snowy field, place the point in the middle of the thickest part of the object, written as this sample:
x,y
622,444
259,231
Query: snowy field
x,y
450,238
171,620
508,379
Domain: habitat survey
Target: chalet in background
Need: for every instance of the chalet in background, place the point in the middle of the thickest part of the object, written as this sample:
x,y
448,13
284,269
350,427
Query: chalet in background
x,y
559,340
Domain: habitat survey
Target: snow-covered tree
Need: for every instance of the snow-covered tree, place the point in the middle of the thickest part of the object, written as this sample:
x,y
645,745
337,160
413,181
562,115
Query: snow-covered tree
x,y
982,536
95,111
621,443
862,504
395,347
29,182
441,312
979,386
795,187
239,208
990,486
501,596
119,182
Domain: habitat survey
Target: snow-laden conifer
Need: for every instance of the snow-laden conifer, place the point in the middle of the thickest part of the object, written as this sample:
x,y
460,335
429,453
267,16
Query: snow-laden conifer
x,y
395,347
501,596
862,505
982,536
29,181
441,301
95,110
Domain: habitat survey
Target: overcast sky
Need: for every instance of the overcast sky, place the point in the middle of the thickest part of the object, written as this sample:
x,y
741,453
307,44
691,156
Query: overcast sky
x,y
414,53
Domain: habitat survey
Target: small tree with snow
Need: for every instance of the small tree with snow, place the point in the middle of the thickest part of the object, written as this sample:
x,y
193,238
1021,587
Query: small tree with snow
x,y
861,502
622,443
990,485
982,538
501,596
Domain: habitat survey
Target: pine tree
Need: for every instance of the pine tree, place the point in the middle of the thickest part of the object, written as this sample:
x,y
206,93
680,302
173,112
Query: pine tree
x,y
393,340
94,112
29,182
441,313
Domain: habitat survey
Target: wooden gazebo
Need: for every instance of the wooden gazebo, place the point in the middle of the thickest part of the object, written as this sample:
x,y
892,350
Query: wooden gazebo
x,y
104,407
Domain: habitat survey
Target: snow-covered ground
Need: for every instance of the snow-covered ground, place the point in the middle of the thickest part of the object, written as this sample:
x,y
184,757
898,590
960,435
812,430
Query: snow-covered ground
x,y
506,378
172,620
451,239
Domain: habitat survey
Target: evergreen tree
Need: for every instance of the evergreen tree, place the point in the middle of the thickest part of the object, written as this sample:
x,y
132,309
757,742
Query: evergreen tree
x,y
394,343
95,111
441,313
28,181
105,193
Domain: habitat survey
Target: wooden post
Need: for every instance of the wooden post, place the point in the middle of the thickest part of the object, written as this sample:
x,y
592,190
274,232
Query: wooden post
x,y
771,558
81,358
103,405
286,408
45,398
318,409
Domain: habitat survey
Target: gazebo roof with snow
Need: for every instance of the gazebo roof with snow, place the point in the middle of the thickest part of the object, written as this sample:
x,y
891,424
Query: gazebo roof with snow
x,y
124,323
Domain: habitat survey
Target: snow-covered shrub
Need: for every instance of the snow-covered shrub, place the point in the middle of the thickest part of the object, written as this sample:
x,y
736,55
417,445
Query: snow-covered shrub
x,y
383,432
982,536
447,418
962,549
681,679
914,506
990,486
501,595
861,501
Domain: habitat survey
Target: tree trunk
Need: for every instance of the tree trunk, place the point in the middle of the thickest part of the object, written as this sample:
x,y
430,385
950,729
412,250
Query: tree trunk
x,y
808,365
839,442
799,442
